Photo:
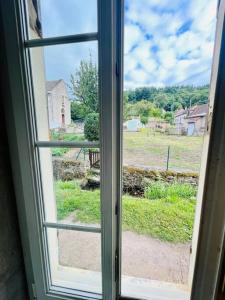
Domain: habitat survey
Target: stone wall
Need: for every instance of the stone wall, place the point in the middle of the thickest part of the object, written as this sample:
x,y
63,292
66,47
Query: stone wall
x,y
135,179
65,169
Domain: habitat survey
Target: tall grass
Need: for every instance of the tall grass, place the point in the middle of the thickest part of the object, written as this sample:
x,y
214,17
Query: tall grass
x,y
160,189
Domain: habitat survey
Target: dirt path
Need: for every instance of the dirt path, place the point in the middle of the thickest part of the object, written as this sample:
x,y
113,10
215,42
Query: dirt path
x,y
142,256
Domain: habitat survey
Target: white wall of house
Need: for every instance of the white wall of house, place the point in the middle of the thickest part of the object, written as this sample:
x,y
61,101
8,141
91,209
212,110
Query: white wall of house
x,y
41,108
59,104
180,123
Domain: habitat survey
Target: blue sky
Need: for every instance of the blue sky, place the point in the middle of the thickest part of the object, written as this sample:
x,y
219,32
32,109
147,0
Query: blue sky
x,y
166,42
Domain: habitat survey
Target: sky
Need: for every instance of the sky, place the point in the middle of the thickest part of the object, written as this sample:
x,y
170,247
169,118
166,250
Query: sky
x,y
165,42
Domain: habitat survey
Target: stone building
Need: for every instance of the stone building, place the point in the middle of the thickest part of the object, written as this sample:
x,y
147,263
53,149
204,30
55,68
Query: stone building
x,y
191,121
59,111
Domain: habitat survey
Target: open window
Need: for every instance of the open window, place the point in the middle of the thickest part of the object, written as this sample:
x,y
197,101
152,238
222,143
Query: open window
x,y
71,229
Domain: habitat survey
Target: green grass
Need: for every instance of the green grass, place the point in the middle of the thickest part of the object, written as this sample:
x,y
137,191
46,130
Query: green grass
x,y
159,190
69,137
149,149
168,218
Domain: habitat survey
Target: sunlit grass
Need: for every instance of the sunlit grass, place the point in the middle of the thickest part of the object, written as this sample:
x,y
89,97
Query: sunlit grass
x,y
169,217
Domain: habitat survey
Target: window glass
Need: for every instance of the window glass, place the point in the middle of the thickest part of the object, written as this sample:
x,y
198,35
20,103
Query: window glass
x,y
75,259
50,18
71,185
166,89
66,91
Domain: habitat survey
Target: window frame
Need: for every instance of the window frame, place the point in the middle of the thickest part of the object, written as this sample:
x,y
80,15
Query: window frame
x,y
24,164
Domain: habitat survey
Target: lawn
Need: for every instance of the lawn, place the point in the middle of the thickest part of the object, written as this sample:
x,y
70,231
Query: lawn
x,y
166,212
147,149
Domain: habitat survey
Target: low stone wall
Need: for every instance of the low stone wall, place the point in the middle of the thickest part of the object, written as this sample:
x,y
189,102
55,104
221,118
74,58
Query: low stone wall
x,y
65,169
134,179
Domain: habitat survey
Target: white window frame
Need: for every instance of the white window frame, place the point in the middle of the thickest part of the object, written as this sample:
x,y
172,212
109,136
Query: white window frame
x,y
210,221
25,147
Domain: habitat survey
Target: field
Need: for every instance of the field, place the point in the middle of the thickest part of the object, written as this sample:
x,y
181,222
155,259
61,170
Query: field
x,y
149,150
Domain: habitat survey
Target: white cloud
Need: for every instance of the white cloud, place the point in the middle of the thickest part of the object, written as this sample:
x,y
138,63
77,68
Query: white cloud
x,y
155,54
133,36
176,40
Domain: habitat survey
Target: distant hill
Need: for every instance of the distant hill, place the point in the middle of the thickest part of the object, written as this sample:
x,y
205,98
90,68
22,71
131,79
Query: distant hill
x,y
169,98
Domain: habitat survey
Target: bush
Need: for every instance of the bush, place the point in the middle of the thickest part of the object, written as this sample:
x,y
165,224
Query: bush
x,y
144,120
91,127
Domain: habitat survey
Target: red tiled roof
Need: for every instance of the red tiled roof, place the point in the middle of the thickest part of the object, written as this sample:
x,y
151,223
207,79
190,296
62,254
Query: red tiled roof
x,y
198,110
180,112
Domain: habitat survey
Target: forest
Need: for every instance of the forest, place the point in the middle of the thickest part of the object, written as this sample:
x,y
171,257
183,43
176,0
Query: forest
x,y
169,98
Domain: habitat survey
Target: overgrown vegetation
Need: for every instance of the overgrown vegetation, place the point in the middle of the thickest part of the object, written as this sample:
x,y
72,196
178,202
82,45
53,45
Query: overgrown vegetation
x,y
159,189
168,218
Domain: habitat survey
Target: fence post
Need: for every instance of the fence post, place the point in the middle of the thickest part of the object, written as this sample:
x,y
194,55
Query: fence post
x,y
168,158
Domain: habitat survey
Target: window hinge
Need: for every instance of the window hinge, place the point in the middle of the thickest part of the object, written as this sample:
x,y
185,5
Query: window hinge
x,y
116,266
117,69
116,209
34,291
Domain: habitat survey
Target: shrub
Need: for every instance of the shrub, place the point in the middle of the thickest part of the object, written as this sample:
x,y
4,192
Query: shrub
x,y
144,120
91,127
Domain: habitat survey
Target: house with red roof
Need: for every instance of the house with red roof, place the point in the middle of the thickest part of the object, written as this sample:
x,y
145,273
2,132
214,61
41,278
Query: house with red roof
x,y
191,121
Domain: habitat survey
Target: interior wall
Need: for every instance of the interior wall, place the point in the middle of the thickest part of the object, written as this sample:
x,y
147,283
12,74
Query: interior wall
x,y
12,275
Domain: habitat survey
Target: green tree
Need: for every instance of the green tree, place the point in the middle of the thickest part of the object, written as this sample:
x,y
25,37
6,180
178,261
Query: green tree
x,y
91,127
169,117
78,111
144,120
84,85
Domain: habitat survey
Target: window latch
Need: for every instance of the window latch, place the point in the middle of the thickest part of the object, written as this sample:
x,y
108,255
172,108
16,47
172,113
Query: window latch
x,y
34,291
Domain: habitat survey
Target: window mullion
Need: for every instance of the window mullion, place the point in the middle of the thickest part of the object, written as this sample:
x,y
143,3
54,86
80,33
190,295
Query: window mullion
x,y
58,144
78,38
107,93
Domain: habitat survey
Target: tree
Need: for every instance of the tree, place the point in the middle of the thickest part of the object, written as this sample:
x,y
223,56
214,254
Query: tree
x,y
84,85
170,98
78,111
144,120
169,117
91,127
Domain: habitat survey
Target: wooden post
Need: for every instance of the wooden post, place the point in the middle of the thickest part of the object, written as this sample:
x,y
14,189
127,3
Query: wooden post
x,y
168,158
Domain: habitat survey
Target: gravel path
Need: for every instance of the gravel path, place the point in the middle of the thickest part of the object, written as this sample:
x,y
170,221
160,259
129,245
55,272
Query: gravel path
x,y
142,256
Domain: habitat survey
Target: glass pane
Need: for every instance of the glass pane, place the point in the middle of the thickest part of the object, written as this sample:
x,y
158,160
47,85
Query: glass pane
x,y
166,88
71,185
75,259
50,18
65,81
